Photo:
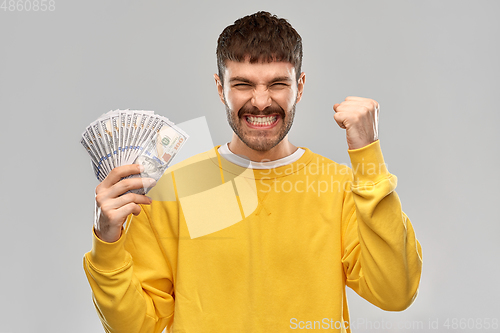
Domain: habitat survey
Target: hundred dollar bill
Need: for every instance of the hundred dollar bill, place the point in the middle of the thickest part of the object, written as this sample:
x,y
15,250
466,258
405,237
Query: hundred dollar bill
x,y
169,141
90,150
98,138
158,153
93,160
144,128
94,134
126,136
130,136
87,141
144,137
105,129
138,124
121,150
134,125
108,123
115,120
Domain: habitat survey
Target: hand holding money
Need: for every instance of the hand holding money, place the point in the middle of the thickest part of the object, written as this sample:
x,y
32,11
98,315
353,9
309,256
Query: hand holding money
x,y
359,117
113,205
129,151
123,137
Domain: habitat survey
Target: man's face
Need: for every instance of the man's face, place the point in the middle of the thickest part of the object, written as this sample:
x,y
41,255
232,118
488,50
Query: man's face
x,y
260,101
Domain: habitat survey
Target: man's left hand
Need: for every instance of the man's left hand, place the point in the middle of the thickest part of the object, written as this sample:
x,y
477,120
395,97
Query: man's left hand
x,y
359,117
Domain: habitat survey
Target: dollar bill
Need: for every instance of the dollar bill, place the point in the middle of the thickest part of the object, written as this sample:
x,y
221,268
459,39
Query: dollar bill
x,y
158,152
107,139
121,137
100,152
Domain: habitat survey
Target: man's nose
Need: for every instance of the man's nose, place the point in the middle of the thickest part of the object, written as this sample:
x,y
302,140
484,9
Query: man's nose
x,y
261,98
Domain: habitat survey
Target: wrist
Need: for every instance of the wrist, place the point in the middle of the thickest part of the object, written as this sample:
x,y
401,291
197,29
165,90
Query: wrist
x,y
359,145
368,163
108,235
107,256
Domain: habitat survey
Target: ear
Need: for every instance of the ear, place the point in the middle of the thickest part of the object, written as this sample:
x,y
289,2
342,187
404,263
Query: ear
x,y
220,88
300,86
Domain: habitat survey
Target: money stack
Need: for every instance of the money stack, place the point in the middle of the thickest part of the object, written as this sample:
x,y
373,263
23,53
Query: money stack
x,y
123,137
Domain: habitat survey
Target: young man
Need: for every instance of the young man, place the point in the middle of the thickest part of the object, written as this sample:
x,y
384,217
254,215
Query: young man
x,y
257,235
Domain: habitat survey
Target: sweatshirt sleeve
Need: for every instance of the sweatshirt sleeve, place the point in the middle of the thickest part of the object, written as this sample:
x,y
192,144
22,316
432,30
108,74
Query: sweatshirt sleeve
x,y
131,296
382,258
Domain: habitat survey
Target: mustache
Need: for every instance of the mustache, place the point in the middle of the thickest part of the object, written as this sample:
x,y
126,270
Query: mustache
x,y
272,109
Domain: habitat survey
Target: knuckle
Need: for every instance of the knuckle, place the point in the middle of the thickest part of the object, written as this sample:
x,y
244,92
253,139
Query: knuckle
x,y
137,209
111,216
129,197
112,172
127,184
117,171
105,208
98,199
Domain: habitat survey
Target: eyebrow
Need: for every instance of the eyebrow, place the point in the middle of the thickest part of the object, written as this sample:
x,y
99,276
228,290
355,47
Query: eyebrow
x,y
276,79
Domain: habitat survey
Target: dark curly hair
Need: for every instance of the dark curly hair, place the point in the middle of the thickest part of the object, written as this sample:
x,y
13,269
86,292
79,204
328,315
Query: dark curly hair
x,y
263,38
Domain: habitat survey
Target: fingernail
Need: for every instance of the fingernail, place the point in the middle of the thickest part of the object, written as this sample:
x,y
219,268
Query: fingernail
x,y
150,200
151,181
141,167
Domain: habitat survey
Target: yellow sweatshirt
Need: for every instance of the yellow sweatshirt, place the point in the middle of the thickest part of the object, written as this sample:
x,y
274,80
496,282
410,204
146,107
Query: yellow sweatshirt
x,y
228,249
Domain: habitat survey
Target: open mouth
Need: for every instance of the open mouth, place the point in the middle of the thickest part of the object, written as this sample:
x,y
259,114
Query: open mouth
x,y
261,121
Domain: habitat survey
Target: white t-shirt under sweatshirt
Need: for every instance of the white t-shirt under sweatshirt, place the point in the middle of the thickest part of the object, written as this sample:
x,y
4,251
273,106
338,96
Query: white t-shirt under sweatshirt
x,y
246,163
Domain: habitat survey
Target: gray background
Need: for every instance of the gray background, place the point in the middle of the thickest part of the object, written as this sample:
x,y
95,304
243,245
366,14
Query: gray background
x,y
432,65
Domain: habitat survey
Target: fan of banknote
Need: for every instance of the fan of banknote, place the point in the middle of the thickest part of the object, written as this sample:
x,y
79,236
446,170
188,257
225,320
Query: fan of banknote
x,y
122,137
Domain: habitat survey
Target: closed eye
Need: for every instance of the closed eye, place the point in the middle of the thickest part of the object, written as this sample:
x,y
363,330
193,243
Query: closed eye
x,y
279,85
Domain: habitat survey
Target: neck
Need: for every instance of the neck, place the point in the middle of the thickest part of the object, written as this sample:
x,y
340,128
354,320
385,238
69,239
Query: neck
x,y
282,149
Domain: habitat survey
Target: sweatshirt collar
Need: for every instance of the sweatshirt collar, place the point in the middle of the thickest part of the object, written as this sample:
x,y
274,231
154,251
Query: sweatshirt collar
x,y
281,171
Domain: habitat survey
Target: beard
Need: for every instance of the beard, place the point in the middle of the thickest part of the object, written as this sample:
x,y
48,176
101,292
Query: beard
x,y
260,140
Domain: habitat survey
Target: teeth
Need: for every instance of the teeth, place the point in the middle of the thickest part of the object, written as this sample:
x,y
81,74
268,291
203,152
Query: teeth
x,y
263,121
